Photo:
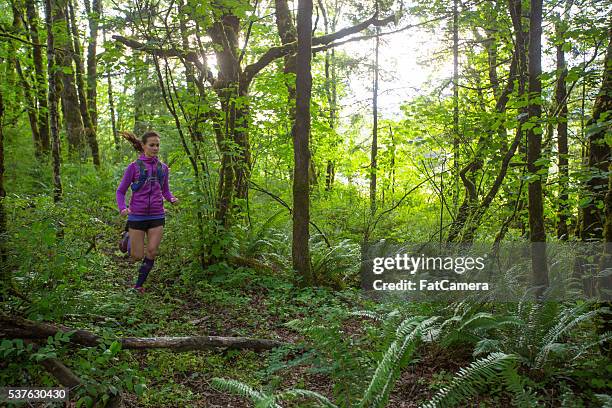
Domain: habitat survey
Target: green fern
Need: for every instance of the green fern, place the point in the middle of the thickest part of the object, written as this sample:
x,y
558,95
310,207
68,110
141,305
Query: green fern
x,y
515,383
299,393
336,264
264,238
570,319
568,397
606,400
604,337
469,380
397,355
368,315
260,399
486,346
471,327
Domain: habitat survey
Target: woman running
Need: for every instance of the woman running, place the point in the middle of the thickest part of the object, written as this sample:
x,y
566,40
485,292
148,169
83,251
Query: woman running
x,y
148,178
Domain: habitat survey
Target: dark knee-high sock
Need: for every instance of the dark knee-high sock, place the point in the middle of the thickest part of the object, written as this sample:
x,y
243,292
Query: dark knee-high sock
x,y
143,272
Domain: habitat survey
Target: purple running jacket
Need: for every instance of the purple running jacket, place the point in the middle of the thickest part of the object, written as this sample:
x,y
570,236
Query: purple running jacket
x,y
148,200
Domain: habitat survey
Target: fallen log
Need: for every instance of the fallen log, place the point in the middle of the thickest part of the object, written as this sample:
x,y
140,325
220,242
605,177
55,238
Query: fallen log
x,y
20,328
57,369
67,378
199,343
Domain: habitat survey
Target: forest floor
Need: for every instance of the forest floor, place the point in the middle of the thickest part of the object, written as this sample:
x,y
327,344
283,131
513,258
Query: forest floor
x,y
238,302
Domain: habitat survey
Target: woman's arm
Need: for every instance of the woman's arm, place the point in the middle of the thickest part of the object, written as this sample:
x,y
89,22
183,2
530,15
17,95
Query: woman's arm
x,y
128,176
166,187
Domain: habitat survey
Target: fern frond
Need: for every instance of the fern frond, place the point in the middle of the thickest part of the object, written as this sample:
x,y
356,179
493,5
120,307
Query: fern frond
x,y
563,326
241,389
486,346
568,398
368,314
337,262
481,322
469,379
515,383
407,336
321,399
605,399
263,237
531,326
477,320
604,337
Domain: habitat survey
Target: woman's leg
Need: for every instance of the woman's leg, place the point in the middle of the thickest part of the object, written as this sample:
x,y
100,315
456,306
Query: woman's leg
x,y
154,236
136,243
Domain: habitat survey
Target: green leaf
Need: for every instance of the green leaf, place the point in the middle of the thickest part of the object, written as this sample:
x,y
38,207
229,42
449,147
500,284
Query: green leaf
x,y
115,347
86,400
567,46
585,201
139,389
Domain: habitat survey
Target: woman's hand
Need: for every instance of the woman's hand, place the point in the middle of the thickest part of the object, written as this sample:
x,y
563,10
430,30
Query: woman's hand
x,y
125,211
174,201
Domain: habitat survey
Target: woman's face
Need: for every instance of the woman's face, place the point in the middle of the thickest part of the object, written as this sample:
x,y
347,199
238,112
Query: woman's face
x,y
151,147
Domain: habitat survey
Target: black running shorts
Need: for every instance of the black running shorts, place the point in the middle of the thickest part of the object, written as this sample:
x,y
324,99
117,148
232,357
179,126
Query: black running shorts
x,y
146,224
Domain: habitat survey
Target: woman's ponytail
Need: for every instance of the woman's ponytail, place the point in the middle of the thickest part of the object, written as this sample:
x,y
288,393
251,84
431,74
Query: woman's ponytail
x,y
130,137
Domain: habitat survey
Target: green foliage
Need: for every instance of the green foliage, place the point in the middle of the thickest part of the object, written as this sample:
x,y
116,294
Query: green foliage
x,y
62,264
568,319
263,239
336,355
337,266
263,400
469,380
395,358
260,399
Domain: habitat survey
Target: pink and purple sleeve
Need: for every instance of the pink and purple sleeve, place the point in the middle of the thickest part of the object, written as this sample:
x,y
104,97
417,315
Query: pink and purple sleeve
x,y
166,187
123,187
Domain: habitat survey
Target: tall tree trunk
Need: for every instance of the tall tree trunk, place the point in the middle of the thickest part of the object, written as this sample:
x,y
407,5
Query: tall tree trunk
x,y
90,131
521,39
606,263
456,102
232,87
374,147
111,100
3,233
598,158
94,12
562,146
70,101
330,93
470,212
537,233
603,104
287,33
53,99
301,151
30,103
12,108
39,72
392,164
26,90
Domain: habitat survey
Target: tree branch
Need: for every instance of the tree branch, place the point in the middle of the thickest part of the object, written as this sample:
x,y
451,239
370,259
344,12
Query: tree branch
x,y
17,327
276,52
190,56
284,204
